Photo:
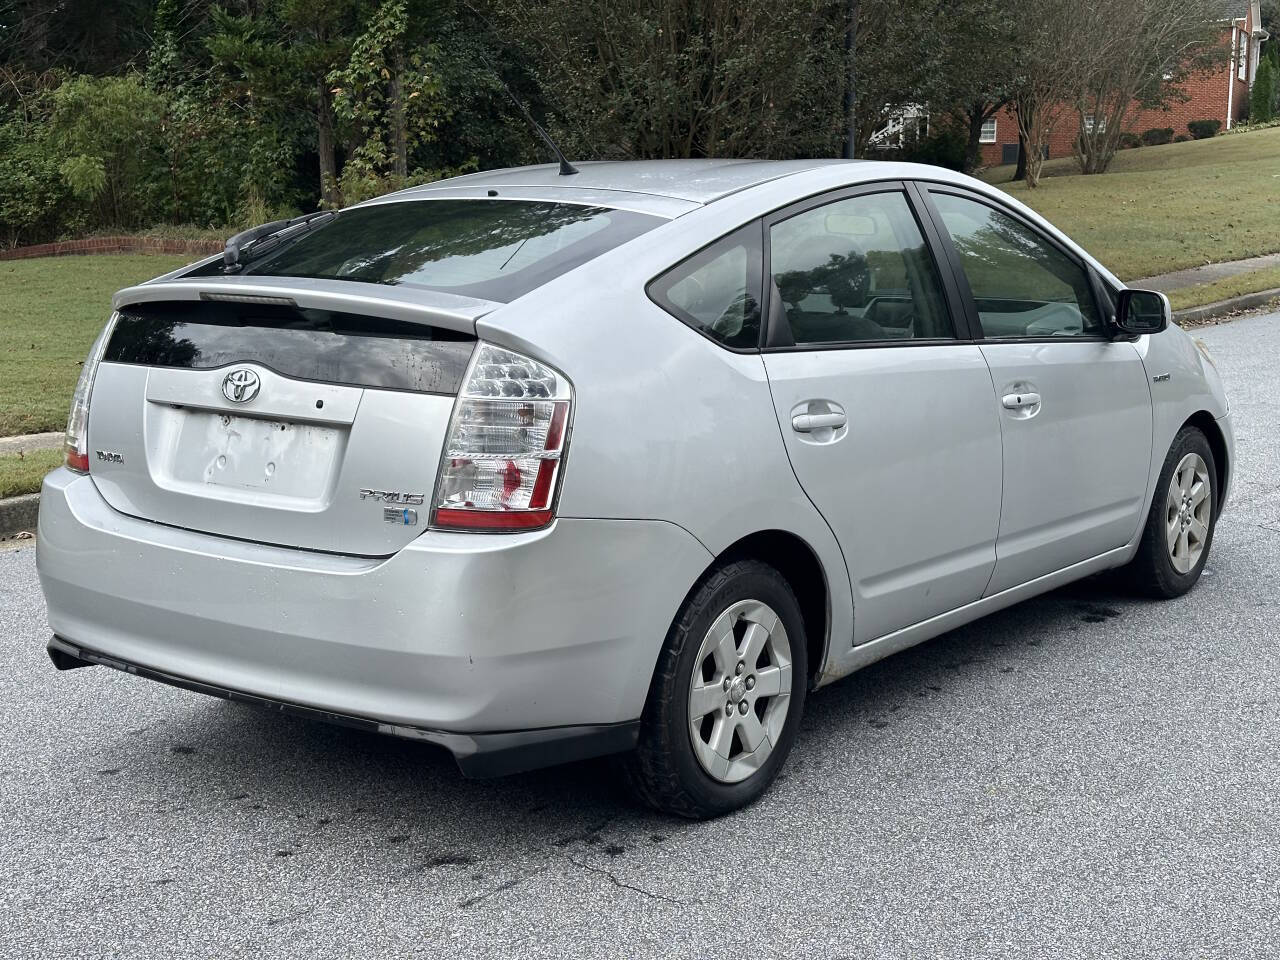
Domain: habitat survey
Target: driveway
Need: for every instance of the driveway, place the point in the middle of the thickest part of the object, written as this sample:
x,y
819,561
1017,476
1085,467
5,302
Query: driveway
x,y
1084,775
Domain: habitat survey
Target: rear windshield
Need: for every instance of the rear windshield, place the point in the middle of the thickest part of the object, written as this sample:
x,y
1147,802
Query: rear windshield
x,y
304,344
489,249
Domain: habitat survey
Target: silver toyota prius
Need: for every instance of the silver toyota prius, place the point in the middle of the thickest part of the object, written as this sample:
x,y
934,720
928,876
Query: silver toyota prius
x,y
538,467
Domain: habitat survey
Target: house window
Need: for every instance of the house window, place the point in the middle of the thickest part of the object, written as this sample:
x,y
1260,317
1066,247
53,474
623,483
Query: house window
x,y
1094,126
988,134
1242,65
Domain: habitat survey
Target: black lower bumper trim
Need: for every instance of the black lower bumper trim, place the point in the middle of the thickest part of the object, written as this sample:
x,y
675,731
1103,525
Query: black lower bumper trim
x,y
489,754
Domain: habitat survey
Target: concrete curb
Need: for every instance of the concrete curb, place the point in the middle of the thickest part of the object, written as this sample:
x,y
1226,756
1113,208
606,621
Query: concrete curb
x,y
18,515
1249,301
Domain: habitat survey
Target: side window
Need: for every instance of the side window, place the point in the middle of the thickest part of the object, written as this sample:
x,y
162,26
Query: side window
x,y
717,290
1023,285
857,270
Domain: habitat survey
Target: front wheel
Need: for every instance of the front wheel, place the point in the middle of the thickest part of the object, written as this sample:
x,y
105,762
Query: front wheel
x,y
1179,531
726,696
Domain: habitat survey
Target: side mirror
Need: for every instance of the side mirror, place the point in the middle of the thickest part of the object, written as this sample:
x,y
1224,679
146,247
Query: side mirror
x,y
1140,312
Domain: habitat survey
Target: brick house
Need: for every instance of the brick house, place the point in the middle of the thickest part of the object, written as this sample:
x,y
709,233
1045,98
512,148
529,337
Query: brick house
x,y
1219,94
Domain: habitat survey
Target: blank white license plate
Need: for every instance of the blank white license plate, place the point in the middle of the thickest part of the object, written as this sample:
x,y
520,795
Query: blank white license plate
x,y
282,458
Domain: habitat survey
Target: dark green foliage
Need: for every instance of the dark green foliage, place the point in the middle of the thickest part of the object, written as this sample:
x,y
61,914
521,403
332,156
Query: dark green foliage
x,y
945,147
1204,129
1157,135
31,188
688,78
1130,140
1262,97
1181,138
134,114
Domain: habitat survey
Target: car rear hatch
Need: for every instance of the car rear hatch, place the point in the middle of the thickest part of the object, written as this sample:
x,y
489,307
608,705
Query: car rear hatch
x,y
300,392
303,413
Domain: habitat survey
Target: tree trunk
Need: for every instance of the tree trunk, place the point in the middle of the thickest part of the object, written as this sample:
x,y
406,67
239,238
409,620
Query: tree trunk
x,y
851,83
329,191
399,133
976,114
1020,172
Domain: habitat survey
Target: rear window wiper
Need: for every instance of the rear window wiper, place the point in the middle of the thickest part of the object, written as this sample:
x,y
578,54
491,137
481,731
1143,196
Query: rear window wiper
x,y
251,244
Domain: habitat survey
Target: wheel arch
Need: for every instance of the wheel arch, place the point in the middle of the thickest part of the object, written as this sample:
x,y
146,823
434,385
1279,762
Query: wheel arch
x,y
1204,421
799,565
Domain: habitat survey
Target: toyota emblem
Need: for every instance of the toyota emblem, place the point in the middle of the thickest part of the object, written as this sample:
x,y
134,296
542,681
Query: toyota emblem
x,y
241,386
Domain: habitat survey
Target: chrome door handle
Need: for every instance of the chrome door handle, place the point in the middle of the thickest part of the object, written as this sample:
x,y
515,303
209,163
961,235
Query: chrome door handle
x,y
1016,401
808,422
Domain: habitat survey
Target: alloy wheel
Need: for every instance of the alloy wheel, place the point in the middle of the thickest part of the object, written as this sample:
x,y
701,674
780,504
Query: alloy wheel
x,y
1187,512
740,691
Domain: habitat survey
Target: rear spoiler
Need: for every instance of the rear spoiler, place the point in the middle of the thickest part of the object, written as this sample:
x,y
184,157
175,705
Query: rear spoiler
x,y
408,304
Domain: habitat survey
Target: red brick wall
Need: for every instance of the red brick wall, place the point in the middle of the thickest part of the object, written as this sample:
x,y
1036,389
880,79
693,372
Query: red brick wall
x,y
1206,100
113,245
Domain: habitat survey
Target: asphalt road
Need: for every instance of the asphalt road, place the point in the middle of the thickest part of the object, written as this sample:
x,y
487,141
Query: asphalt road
x,y
1084,775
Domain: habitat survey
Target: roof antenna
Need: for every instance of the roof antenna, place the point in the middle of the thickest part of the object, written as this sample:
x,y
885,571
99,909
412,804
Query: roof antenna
x,y
567,169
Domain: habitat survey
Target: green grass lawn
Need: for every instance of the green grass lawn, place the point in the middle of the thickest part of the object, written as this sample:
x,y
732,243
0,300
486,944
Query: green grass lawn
x,y
50,311
1160,209
22,473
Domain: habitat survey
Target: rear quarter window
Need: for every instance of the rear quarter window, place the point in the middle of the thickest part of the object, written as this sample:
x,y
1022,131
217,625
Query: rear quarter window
x,y
717,291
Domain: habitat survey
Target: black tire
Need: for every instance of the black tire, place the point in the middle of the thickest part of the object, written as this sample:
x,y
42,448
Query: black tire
x,y
664,771
1151,572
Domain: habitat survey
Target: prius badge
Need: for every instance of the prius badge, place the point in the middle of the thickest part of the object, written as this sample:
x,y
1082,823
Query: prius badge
x,y
241,386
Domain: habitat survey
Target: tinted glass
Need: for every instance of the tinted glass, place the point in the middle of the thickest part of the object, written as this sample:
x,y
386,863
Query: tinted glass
x,y
490,249
857,270
304,344
717,290
1023,285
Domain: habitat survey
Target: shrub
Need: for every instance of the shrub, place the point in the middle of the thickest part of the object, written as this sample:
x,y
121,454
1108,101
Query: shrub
x,y
31,190
1130,140
1157,135
1204,129
944,147
1181,138
1262,96
107,132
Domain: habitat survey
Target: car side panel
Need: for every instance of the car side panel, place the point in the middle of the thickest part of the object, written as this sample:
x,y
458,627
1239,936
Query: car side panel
x,y
667,424
1183,383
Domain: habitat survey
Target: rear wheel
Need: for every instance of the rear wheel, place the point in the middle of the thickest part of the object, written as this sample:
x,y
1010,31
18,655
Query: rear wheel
x,y
726,696
1175,543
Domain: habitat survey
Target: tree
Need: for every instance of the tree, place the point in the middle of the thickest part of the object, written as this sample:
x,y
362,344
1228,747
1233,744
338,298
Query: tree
x,y
1136,53
1048,70
1263,94
895,53
686,78
278,55
107,130
392,100
972,71
77,36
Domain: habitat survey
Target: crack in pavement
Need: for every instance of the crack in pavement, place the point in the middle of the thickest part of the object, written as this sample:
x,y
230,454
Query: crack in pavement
x,y
624,885
469,902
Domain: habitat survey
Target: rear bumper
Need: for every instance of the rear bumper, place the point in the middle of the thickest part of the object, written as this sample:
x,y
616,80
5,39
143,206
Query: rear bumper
x,y
477,755
482,644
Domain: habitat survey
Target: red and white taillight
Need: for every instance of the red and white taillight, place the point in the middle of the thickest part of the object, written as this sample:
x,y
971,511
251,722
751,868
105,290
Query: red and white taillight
x,y
76,446
506,441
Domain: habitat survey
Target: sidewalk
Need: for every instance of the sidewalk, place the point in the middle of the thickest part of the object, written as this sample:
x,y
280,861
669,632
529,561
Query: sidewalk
x,y
1210,272
32,441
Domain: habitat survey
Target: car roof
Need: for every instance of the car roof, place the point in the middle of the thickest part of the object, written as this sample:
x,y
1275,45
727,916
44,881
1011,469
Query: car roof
x,y
693,181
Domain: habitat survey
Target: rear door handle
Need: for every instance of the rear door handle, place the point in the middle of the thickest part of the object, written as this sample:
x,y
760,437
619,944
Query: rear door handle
x,y
1016,401
808,422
